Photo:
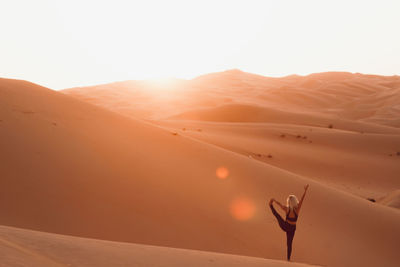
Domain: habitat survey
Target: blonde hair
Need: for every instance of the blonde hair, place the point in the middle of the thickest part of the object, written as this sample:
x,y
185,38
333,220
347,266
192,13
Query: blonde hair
x,y
292,202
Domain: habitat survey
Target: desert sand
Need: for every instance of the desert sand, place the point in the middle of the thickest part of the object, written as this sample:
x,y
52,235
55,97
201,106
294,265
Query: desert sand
x,y
31,248
191,164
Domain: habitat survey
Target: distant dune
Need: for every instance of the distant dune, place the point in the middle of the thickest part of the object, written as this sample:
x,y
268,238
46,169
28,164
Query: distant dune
x,y
100,171
244,113
358,97
253,113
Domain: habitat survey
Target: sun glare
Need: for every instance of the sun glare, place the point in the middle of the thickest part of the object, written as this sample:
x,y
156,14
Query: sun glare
x,y
162,83
222,172
89,42
242,208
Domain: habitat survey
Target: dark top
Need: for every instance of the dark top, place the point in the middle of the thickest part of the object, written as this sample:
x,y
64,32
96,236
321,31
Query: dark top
x,y
292,219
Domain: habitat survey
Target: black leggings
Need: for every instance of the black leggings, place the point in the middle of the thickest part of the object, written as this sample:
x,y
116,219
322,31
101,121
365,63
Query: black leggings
x,y
288,228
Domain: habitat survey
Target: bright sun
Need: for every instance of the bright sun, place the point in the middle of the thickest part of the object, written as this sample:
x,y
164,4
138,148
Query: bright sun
x,y
79,43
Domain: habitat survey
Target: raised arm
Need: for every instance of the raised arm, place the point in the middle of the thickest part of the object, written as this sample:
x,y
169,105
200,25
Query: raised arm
x,y
302,198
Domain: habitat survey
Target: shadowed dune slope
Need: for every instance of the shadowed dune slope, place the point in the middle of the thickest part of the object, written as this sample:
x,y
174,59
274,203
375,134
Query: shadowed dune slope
x,y
252,113
73,168
20,247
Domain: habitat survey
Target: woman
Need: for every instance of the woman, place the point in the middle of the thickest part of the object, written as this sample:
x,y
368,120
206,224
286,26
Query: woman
x,y
292,210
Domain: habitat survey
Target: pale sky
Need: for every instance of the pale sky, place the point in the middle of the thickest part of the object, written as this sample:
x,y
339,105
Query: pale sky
x,y
61,44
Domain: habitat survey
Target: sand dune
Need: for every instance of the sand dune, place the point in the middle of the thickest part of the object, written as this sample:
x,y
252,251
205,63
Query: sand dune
x,y
331,156
20,247
72,168
253,113
357,97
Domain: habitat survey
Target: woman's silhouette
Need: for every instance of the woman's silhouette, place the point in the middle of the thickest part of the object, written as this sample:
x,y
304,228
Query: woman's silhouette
x,y
292,210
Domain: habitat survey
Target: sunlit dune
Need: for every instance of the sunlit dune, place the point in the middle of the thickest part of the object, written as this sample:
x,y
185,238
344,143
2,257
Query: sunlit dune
x,y
199,133
20,247
194,169
357,97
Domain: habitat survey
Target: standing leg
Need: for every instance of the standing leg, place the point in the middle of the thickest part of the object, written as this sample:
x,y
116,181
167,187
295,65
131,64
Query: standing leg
x,y
281,222
289,236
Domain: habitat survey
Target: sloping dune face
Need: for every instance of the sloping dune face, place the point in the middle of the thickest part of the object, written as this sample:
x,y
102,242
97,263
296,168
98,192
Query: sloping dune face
x,y
358,97
20,247
73,168
324,126
363,164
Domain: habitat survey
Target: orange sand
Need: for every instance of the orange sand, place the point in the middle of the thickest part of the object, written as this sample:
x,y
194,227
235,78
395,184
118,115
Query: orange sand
x,y
150,173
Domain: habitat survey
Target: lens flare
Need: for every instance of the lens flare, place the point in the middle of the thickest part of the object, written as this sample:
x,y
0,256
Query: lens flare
x,y
242,208
222,172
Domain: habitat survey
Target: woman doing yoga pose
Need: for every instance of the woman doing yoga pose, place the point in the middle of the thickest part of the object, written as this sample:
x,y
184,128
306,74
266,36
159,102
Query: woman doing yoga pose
x,y
292,210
